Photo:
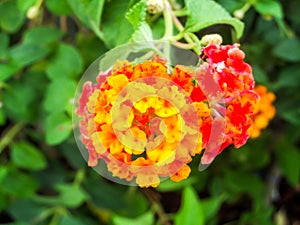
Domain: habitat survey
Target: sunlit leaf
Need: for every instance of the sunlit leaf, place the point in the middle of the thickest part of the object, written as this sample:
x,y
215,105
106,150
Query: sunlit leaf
x,y
71,195
145,219
58,128
25,155
206,13
191,211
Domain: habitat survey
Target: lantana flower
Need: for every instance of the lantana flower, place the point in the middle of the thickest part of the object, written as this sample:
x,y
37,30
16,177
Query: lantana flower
x,y
264,111
147,120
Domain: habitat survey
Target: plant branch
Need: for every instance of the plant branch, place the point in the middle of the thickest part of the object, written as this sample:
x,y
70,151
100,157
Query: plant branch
x,y
9,135
157,207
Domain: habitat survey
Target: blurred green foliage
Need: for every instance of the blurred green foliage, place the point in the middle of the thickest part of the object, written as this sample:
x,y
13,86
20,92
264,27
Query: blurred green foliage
x,y
45,180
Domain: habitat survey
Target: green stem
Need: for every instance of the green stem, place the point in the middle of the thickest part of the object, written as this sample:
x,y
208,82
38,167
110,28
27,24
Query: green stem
x,y
186,36
183,45
79,177
9,136
181,12
168,29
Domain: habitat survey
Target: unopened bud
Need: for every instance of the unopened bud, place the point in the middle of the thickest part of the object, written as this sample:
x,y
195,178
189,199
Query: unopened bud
x,y
32,12
211,38
239,14
155,6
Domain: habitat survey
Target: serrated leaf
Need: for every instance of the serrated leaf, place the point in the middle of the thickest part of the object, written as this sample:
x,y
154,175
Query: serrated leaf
x,y
191,211
71,195
89,13
67,63
269,8
288,49
137,14
205,13
143,33
113,17
26,156
63,8
58,128
145,219
122,52
11,19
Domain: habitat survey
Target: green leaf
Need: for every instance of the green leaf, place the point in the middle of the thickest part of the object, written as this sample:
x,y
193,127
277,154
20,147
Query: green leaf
x,y
2,117
169,185
145,219
18,184
25,155
59,95
239,182
89,13
190,212
11,19
259,74
42,36
113,17
4,42
67,62
288,158
70,220
27,53
3,173
288,50
18,102
143,33
158,29
7,70
137,14
71,195
289,77
205,13
131,50
63,8
58,128
211,206
269,8
17,210
23,6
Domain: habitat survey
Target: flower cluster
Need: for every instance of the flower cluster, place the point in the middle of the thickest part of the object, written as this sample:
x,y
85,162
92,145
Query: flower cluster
x,y
147,120
264,111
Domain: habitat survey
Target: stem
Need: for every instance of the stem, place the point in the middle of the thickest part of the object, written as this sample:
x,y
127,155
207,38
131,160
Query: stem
x,y
79,177
183,45
157,207
181,12
9,136
168,29
180,28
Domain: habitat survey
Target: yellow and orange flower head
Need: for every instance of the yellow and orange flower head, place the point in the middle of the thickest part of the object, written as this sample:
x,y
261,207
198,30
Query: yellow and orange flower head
x,y
146,120
264,111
